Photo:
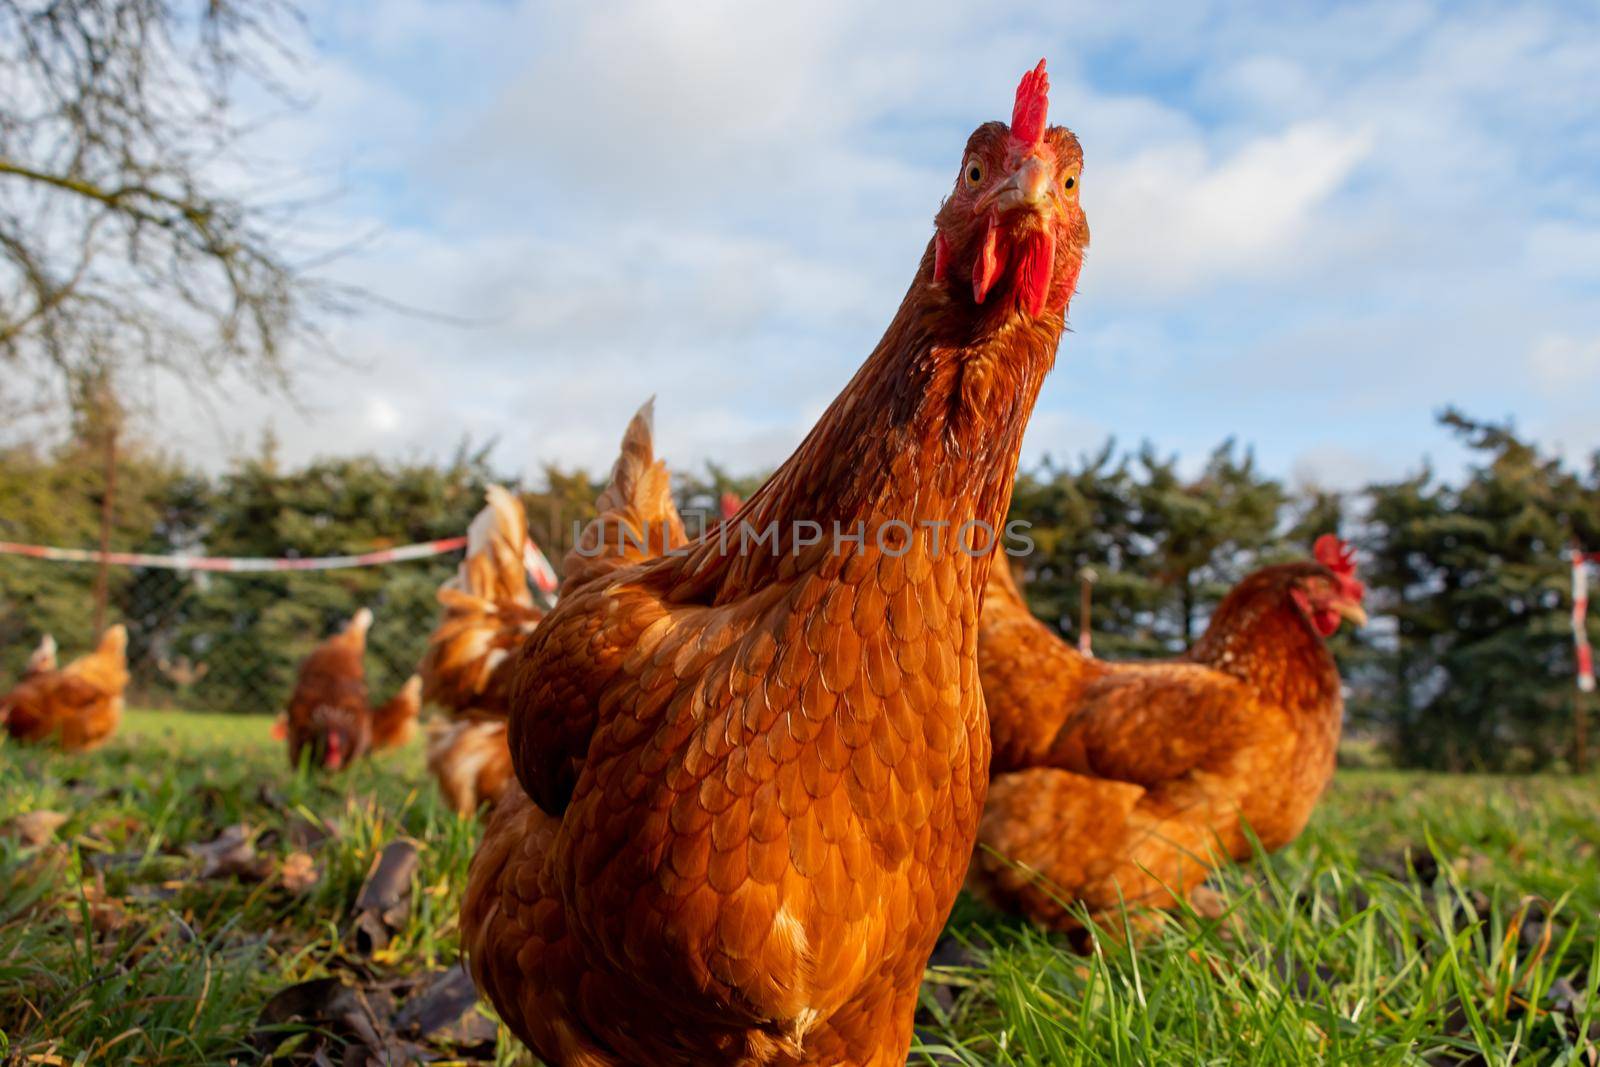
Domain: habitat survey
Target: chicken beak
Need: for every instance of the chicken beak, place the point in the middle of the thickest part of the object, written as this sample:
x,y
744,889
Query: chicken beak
x,y
1351,612
1028,188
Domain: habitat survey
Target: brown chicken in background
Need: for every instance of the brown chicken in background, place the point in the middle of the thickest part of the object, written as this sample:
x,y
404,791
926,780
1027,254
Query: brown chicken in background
x,y
750,772
329,719
489,612
1129,782
78,706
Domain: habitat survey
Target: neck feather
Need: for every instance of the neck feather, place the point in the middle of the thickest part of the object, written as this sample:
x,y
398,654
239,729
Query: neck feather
x,y
1261,637
927,434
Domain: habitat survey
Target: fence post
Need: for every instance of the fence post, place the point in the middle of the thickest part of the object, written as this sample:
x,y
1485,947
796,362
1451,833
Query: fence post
x,y
1086,579
1580,731
1584,664
102,577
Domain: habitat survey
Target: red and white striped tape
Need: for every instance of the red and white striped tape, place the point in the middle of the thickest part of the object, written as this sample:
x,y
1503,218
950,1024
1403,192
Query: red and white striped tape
x,y
1580,614
236,563
539,569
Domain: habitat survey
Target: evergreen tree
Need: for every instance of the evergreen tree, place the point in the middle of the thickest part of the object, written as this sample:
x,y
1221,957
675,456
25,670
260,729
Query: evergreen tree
x,y
1475,576
1201,535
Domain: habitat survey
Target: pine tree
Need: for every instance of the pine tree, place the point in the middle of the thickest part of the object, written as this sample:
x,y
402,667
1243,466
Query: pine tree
x,y
1201,535
1475,575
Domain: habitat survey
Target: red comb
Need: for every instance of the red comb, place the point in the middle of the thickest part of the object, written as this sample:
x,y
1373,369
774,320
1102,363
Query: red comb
x,y
1335,555
1032,107
730,505
1340,558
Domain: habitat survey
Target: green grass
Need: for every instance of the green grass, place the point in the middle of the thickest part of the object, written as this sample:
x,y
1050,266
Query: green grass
x,y
1421,920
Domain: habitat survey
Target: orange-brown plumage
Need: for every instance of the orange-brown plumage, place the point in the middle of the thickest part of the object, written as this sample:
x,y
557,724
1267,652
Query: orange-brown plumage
x,y
394,723
78,706
470,760
750,777
488,613
1130,781
329,716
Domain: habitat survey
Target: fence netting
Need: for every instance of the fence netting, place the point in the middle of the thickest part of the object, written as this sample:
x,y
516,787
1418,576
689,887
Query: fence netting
x,y
220,641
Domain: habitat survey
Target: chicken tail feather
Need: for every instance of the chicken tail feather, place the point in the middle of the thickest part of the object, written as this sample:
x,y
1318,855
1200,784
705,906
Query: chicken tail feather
x,y
637,519
493,569
395,723
488,612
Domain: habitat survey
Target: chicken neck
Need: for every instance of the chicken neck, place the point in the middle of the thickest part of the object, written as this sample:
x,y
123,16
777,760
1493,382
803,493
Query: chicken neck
x,y
922,444
1262,638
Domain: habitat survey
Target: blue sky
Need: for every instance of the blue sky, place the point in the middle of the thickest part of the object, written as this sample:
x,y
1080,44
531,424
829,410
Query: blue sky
x,y
1312,227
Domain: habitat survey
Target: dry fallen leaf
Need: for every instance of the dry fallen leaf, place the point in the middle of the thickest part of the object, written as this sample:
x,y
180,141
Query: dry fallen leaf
x,y
326,1021
106,913
299,872
231,854
384,903
443,1008
35,827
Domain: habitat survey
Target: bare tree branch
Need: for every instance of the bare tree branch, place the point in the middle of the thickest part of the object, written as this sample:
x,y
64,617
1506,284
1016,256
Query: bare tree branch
x,y
121,228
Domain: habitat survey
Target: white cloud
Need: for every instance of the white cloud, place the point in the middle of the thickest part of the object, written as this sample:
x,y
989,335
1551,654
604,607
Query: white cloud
x,y
1172,219
1301,219
1560,364
382,415
1342,468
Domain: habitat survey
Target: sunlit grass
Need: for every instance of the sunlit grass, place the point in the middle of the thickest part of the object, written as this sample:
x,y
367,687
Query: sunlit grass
x,y
1421,920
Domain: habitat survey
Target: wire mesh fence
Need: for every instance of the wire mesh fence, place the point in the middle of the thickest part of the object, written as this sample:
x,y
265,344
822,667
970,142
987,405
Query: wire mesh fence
x,y
229,642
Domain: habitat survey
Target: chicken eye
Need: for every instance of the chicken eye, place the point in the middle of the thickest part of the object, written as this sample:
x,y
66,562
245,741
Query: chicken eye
x,y
973,173
1069,183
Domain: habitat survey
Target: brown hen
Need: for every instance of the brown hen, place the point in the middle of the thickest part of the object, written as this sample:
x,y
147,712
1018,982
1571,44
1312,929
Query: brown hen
x,y
78,706
488,613
751,769
329,720
1128,782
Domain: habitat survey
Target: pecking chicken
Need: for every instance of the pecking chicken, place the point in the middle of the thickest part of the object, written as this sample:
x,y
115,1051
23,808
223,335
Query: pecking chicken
x,y
78,706
488,613
1129,782
750,768
329,719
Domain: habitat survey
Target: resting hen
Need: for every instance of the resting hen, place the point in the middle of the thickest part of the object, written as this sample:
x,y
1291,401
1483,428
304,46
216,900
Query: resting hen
x,y
78,706
488,613
1129,782
750,769
329,720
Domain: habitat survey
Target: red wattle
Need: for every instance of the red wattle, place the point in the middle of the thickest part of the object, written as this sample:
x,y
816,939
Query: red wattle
x,y
1035,269
986,266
